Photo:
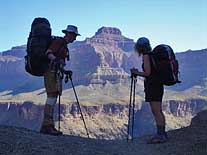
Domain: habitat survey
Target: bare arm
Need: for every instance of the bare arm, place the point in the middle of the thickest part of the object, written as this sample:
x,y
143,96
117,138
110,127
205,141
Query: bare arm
x,y
50,54
147,68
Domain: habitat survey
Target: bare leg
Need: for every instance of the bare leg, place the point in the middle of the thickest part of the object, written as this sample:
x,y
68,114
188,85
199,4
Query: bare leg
x,y
156,108
159,117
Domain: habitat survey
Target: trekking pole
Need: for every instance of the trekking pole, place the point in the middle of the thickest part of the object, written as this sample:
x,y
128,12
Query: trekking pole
x,y
78,105
133,105
131,108
60,76
59,114
129,116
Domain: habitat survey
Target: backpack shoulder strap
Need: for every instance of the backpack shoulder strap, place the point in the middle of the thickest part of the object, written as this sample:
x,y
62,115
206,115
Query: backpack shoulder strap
x,y
63,44
152,59
61,41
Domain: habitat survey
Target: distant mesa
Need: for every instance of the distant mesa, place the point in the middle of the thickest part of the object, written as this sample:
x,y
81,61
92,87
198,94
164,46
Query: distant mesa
x,y
108,30
18,51
111,36
107,55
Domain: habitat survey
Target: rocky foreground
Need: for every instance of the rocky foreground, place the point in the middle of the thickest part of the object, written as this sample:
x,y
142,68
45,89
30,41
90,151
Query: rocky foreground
x,y
191,140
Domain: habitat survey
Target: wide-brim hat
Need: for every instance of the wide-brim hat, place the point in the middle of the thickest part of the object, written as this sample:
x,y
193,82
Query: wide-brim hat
x,y
71,28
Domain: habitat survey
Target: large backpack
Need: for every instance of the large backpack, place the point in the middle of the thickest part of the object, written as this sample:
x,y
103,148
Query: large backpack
x,y
166,64
36,61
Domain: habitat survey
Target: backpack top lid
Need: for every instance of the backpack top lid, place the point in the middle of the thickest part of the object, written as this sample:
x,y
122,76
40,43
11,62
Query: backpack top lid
x,y
164,52
40,28
40,20
163,47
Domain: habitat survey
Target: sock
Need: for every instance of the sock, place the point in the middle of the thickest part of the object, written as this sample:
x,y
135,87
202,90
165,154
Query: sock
x,y
51,101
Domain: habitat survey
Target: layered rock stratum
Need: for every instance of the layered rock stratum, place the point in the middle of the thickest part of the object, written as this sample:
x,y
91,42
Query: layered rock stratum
x,y
191,140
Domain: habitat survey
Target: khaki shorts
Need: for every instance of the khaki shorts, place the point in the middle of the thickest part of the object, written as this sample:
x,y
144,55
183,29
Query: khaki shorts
x,y
53,86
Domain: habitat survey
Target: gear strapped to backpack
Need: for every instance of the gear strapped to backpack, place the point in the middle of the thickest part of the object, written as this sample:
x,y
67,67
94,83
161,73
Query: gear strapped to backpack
x,y
166,64
36,61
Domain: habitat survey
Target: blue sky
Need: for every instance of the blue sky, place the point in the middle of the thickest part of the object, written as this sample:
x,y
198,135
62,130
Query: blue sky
x,y
179,23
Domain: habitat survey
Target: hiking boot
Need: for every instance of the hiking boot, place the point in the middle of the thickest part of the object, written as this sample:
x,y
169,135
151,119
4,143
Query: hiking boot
x,y
59,132
158,139
48,125
165,134
50,130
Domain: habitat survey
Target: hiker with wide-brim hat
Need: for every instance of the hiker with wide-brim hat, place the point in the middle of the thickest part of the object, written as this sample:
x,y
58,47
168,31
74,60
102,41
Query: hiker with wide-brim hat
x,y
153,88
57,53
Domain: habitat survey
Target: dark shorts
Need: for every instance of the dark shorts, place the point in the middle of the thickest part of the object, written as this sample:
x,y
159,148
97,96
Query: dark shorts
x,y
153,91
